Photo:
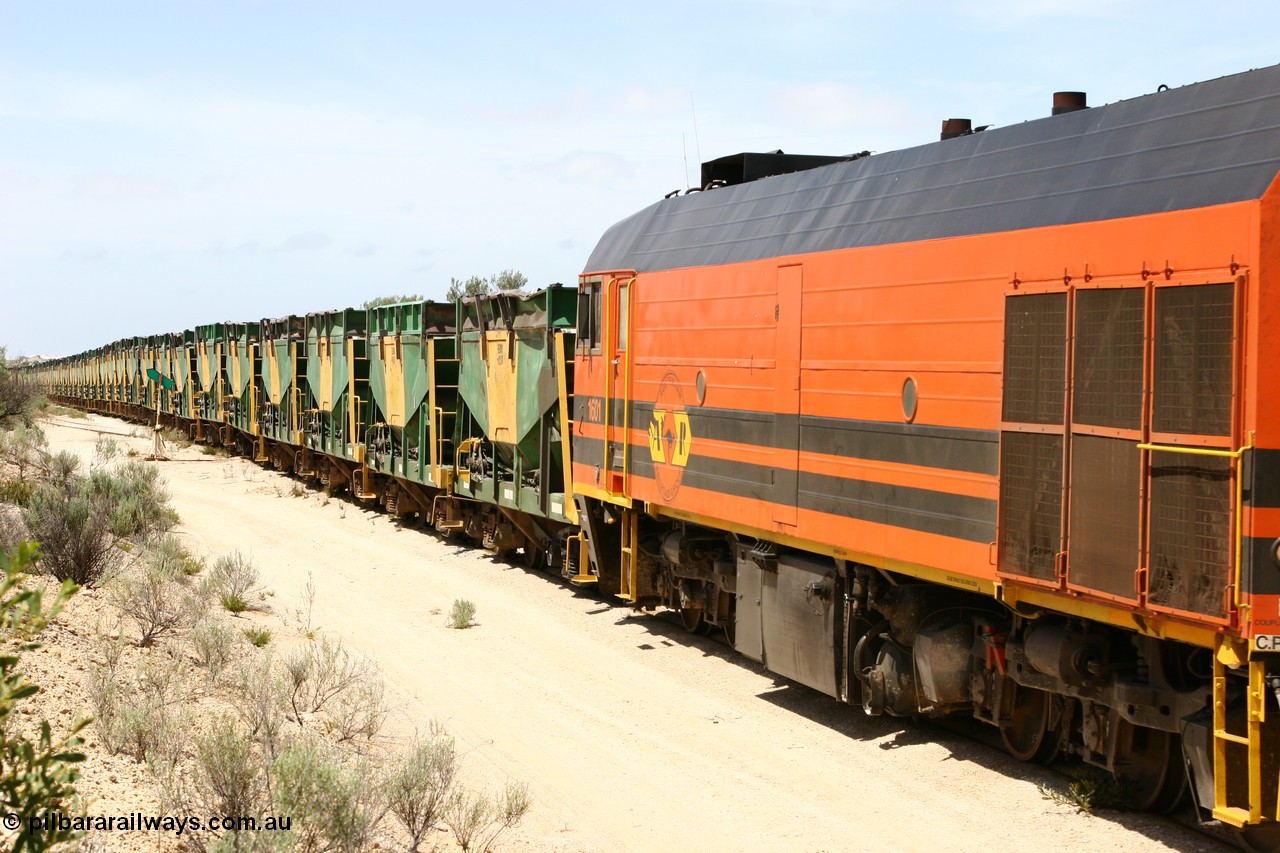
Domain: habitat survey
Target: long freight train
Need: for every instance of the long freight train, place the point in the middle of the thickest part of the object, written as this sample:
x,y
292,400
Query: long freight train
x,y
976,428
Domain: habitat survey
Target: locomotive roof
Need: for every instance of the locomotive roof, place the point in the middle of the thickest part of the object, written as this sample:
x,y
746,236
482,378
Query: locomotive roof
x,y
1199,145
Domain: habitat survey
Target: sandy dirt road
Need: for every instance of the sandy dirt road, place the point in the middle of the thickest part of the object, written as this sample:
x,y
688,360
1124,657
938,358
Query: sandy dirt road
x,y
632,735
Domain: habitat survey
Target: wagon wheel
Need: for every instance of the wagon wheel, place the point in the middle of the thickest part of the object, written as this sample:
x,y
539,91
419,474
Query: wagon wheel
x,y
1026,732
534,557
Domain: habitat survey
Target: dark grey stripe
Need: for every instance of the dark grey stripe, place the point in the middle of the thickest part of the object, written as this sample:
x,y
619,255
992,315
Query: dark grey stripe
x,y
948,448
951,448
943,513
925,510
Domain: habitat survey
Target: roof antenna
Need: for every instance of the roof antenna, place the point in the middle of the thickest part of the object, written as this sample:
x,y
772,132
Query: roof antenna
x,y
684,146
696,143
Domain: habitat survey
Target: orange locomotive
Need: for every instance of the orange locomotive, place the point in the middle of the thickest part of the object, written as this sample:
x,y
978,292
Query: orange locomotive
x,y
977,427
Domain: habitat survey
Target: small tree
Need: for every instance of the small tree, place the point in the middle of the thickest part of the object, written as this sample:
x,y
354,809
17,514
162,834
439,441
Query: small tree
x,y
477,286
35,777
16,397
391,300
473,286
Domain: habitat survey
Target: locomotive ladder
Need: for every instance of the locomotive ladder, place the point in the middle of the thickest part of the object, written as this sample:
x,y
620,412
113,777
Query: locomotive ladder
x,y
1225,654
1233,653
630,529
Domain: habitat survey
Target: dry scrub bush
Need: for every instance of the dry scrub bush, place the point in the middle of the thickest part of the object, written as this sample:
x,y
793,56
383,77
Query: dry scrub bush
x,y
75,534
227,779
80,520
23,448
321,671
142,717
231,580
477,820
105,450
463,613
12,528
157,601
260,698
211,643
147,729
359,711
466,813
332,806
421,784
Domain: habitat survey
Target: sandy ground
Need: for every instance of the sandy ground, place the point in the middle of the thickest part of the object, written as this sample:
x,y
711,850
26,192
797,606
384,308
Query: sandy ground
x,y
632,735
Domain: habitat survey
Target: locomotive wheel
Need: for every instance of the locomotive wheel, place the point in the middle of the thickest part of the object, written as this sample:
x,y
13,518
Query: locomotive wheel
x,y
693,620
1151,774
1026,734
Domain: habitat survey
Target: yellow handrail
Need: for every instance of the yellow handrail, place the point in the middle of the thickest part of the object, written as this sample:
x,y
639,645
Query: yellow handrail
x,y
1239,498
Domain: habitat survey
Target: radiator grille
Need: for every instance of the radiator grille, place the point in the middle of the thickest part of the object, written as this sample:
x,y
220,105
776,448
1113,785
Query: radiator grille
x,y
1190,532
1035,358
1030,503
1108,358
1103,540
1193,359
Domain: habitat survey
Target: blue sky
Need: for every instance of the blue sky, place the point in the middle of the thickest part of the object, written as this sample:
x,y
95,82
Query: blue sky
x,y
164,164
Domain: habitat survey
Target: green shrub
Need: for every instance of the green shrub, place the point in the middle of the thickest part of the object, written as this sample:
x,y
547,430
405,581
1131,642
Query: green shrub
x,y
39,775
138,500
15,492
17,398
333,807
258,637
75,532
169,552
463,614
80,520
231,579
211,641
227,778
